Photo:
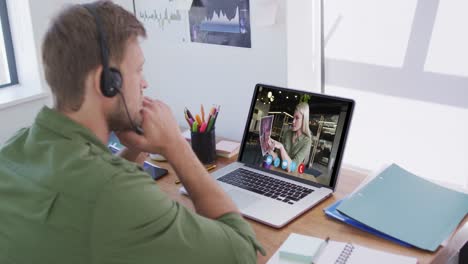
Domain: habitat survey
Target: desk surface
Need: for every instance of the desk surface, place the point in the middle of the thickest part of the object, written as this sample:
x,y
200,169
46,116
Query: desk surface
x,y
313,222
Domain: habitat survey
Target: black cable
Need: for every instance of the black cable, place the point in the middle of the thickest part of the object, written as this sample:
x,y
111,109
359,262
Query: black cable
x,y
137,129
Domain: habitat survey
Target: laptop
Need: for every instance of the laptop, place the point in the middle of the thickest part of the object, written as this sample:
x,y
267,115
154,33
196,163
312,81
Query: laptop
x,y
275,189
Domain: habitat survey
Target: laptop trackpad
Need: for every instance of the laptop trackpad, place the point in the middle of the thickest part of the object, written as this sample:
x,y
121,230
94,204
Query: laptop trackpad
x,y
242,199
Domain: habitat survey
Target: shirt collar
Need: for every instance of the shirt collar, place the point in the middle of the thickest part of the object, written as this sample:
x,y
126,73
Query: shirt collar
x,y
66,127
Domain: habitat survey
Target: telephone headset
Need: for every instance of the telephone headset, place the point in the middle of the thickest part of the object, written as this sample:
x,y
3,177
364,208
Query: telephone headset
x,y
111,78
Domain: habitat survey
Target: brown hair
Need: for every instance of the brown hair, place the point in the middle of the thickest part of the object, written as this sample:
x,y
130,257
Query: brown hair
x,y
71,48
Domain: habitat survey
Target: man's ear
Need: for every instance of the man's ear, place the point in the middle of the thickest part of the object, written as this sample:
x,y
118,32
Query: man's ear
x,y
94,80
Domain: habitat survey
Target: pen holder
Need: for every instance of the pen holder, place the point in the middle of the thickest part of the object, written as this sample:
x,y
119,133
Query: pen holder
x,y
204,146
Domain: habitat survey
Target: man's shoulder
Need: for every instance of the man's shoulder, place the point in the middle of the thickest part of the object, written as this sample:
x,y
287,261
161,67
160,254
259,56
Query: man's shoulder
x,y
65,165
88,160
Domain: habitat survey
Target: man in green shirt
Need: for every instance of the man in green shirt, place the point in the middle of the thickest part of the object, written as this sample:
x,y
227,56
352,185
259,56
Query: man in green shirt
x,y
64,198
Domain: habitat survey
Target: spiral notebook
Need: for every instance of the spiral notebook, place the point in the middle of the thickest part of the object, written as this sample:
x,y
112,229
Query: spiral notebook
x,y
334,252
341,253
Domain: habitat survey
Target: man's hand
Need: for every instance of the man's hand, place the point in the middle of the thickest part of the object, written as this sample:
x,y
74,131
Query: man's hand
x,y
161,129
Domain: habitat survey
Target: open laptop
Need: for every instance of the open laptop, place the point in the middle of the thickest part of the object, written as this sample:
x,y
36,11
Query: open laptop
x,y
261,183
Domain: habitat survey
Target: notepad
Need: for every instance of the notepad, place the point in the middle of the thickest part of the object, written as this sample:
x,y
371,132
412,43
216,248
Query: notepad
x,y
227,148
407,207
302,249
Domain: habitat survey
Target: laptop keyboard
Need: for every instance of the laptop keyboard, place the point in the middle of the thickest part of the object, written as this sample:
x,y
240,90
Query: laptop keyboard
x,y
267,186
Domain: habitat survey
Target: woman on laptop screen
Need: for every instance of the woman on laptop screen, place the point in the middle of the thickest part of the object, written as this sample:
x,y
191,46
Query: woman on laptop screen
x,y
296,142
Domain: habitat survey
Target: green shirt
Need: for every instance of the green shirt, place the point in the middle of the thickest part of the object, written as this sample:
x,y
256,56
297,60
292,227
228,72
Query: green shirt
x,y
297,151
64,198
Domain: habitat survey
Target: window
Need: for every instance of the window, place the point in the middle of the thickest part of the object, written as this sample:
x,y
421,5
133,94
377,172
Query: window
x,y
8,74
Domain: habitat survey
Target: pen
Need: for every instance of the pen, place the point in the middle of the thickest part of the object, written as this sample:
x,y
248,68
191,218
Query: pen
x,y
188,113
215,117
210,123
188,122
203,127
195,127
187,119
320,250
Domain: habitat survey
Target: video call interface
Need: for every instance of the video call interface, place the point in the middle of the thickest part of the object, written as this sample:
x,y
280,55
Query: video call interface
x,y
312,155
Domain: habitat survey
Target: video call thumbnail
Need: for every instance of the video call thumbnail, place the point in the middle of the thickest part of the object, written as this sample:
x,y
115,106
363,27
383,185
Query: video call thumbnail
x,y
295,133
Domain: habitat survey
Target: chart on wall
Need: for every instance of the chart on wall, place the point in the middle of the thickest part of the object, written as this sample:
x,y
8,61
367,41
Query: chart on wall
x,y
220,22
165,20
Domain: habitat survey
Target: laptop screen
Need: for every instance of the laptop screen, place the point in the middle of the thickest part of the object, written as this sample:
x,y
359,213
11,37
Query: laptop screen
x,y
296,134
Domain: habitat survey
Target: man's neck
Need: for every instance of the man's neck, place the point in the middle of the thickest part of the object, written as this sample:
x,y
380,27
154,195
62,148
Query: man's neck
x,y
97,124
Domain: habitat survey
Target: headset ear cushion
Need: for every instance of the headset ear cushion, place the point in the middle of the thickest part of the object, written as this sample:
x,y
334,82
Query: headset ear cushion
x,y
114,82
115,79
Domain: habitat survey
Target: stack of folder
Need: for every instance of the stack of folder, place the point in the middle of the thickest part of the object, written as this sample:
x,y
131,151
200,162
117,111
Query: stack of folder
x,y
404,208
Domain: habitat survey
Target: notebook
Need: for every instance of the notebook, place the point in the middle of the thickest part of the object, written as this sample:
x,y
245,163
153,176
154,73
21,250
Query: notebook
x,y
227,148
273,190
333,252
407,207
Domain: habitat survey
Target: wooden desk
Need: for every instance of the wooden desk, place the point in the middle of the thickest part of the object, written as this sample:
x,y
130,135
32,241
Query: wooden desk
x,y
313,222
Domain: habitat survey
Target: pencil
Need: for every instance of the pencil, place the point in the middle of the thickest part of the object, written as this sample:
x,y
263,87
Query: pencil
x,y
211,167
202,113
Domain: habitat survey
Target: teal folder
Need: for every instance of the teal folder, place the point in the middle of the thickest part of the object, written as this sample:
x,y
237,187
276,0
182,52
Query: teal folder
x,y
407,207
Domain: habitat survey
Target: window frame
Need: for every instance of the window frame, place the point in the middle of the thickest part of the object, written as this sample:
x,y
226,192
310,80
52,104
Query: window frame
x,y
8,42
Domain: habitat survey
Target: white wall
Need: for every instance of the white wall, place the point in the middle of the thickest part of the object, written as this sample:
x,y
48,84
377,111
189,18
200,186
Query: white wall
x,y
190,74
404,63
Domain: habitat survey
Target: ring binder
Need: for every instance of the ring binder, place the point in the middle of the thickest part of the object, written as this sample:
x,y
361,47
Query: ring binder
x,y
345,253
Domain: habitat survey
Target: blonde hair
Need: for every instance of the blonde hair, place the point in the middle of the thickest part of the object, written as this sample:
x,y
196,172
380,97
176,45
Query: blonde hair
x,y
303,108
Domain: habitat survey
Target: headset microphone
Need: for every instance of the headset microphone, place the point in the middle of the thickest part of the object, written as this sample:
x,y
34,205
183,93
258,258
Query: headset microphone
x,y
111,78
137,129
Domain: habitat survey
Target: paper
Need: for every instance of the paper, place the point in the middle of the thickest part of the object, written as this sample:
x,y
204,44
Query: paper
x,y
408,208
265,12
183,4
226,146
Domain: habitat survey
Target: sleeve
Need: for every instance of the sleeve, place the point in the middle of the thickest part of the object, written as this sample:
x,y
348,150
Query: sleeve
x,y
135,222
302,152
287,138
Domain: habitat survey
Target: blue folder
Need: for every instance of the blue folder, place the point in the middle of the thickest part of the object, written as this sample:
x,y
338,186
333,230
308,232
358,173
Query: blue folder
x,y
407,207
333,213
